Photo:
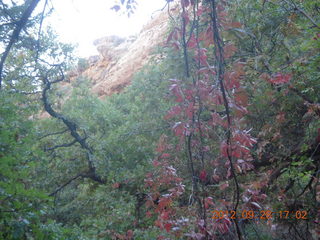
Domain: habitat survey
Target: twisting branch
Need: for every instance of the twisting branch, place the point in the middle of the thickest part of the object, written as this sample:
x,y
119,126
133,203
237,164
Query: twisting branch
x,y
220,62
15,35
72,127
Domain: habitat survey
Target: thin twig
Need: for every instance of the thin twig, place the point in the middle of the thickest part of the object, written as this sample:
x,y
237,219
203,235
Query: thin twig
x,y
52,134
61,145
40,29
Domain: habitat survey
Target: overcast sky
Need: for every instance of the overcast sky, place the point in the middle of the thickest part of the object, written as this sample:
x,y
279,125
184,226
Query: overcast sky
x,y
83,21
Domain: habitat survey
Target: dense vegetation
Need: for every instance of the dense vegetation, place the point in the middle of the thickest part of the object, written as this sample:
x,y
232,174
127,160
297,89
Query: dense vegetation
x,y
217,139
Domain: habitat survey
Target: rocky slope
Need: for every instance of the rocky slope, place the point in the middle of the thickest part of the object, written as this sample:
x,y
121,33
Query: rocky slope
x,y
120,58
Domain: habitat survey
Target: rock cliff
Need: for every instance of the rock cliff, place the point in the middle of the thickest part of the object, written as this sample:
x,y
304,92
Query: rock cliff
x,y
119,58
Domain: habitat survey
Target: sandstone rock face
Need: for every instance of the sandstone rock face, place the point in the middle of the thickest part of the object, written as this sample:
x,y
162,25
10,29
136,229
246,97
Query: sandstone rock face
x,y
119,58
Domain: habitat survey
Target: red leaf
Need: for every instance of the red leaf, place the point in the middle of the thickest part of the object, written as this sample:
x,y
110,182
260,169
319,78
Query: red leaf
x,y
192,43
281,117
178,129
116,185
265,76
148,214
244,138
217,98
200,11
188,94
224,225
208,202
167,226
174,111
201,56
156,163
235,25
165,155
189,111
207,37
224,149
232,80
129,234
203,175
216,178
280,78
229,50
186,18
165,215
241,98
164,202
224,186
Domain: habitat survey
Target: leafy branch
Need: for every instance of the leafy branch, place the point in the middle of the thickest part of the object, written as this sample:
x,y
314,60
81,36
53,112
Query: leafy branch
x,y
15,35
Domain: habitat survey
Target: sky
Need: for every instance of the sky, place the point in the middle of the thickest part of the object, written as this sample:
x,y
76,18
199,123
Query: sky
x,y
82,21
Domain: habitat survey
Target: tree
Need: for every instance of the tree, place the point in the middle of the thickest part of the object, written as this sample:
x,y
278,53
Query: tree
x,y
24,207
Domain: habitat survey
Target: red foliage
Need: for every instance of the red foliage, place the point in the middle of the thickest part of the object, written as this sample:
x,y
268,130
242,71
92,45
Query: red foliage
x,y
203,175
280,78
198,134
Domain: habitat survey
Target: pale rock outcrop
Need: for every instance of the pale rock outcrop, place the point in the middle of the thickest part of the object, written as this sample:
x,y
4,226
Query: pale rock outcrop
x,y
119,58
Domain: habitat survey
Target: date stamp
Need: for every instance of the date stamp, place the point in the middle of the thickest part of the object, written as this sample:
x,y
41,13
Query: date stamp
x,y
262,214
